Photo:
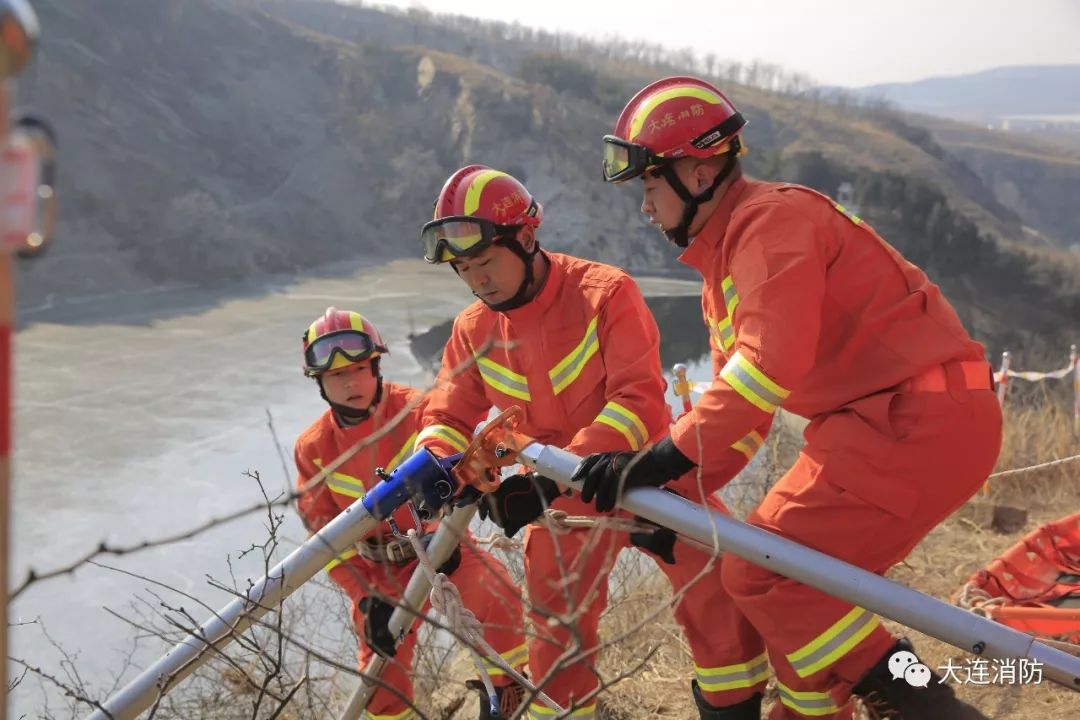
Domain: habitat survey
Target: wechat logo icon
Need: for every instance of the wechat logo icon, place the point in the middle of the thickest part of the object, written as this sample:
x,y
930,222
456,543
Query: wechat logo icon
x,y
905,665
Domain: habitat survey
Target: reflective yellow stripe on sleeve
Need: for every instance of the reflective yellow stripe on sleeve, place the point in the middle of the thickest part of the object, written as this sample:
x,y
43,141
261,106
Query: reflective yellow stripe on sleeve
x,y
749,444
850,215
725,333
625,421
445,433
731,298
343,484
403,453
721,332
752,384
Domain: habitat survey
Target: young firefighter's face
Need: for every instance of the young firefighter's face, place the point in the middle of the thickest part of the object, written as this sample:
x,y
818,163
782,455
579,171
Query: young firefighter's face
x,y
662,205
353,386
493,275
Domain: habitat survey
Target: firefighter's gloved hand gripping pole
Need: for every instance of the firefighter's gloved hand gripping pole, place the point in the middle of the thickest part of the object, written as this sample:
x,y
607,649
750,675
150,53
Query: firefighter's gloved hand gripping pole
x,y
422,478
504,445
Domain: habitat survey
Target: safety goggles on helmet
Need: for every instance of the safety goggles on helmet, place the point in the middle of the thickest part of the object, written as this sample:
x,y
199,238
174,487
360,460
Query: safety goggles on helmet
x,y
349,345
461,236
626,160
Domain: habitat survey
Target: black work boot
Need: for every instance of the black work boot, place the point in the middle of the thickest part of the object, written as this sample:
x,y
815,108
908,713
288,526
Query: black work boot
x,y
749,709
898,699
509,698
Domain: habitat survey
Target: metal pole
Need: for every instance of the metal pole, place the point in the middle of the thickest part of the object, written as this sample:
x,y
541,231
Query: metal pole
x,y
447,537
6,302
421,476
194,650
1074,358
948,623
1003,383
19,32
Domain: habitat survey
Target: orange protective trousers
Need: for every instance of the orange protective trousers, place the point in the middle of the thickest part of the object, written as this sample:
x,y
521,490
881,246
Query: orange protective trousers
x,y
567,578
486,589
872,480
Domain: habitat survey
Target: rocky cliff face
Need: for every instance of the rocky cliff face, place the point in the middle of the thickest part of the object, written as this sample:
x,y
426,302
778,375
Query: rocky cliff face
x,y
207,141
1041,191
223,141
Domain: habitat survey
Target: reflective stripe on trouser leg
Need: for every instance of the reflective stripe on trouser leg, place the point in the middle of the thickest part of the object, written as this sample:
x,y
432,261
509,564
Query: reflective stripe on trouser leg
x,y
566,576
730,663
738,676
543,712
806,703
515,658
835,642
407,714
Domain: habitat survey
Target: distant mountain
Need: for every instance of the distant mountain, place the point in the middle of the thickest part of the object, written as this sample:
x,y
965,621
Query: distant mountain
x,y
224,141
1002,97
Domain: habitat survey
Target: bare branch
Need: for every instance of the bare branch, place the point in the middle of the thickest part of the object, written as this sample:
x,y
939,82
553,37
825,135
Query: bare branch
x,y
67,689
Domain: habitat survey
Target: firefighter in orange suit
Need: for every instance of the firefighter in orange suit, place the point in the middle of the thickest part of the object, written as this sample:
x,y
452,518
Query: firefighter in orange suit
x,y
572,343
342,353
810,310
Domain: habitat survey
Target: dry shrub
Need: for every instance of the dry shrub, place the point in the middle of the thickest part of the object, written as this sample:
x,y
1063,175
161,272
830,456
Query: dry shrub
x,y
1038,428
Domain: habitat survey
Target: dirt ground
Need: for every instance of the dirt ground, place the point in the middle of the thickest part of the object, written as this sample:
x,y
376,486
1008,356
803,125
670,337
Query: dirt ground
x,y
938,566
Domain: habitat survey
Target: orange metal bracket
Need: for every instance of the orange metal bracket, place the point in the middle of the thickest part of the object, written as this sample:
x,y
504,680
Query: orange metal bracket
x,y
496,446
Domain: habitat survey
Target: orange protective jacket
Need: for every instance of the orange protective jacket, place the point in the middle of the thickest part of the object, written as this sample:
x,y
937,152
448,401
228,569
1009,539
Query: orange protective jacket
x,y
807,308
321,444
581,359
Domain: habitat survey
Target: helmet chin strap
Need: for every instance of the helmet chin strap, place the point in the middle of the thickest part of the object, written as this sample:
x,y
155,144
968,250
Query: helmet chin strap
x,y
680,234
522,296
348,415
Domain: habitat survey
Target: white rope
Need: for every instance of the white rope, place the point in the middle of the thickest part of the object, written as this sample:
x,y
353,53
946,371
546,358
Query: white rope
x,y
974,598
446,600
1031,468
498,541
560,521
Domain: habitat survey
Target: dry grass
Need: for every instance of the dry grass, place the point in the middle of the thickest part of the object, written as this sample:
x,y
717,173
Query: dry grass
x,y
1038,428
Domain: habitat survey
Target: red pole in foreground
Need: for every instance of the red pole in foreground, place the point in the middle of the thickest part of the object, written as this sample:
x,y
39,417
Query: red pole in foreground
x,y
27,212
6,302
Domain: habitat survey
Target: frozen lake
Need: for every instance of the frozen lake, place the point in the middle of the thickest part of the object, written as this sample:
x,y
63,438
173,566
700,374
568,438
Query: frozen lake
x,y
137,417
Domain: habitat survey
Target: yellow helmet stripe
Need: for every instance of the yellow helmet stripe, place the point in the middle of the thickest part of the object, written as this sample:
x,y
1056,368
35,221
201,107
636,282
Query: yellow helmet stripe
x,y
643,112
356,320
472,195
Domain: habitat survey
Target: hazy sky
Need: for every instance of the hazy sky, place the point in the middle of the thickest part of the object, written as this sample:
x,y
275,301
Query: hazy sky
x,y
837,42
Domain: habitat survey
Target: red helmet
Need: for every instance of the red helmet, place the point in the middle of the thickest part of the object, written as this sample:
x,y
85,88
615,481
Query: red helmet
x,y
671,118
338,338
476,207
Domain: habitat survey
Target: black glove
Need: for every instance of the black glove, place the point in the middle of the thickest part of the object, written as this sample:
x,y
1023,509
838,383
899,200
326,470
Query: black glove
x,y
377,633
518,501
660,541
602,473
